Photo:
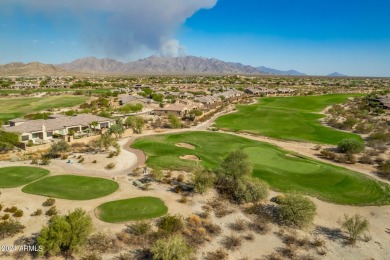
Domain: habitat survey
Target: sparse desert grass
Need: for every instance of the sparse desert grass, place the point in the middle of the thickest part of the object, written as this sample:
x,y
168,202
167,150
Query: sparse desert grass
x,y
131,209
271,164
15,176
72,187
270,115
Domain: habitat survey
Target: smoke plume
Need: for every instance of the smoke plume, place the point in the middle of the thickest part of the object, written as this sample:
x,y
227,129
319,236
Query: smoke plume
x,y
120,27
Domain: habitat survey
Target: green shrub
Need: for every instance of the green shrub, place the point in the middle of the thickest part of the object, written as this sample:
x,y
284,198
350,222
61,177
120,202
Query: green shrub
x,y
202,180
10,228
250,190
18,213
384,168
354,226
81,160
65,234
13,209
350,145
170,224
5,217
173,248
297,210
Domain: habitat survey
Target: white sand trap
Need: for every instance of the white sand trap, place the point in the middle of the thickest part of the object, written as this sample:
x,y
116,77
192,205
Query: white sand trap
x,y
190,157
185,145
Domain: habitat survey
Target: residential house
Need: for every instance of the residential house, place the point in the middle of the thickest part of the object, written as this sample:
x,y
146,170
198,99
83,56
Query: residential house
x,y
41,130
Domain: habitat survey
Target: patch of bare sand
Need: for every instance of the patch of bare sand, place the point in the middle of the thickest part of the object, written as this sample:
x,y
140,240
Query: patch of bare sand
x,y
190,157
185,145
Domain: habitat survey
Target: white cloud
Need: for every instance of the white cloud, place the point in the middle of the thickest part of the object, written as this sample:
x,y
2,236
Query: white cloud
x,y
121,27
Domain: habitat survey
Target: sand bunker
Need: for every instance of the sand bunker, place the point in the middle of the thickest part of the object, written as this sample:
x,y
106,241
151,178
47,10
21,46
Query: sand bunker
x,y
190,157
185,145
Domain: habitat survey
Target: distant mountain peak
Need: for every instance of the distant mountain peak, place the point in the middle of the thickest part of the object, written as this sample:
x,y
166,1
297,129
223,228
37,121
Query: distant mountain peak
x,y
336,74
280,72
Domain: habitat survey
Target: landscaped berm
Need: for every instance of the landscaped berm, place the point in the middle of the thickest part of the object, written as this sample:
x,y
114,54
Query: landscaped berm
x,y
11,177
131,209
281,169
72,187
289,118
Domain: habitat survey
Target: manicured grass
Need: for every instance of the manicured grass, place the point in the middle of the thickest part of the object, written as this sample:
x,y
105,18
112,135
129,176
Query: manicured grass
x,y
131,209
17,107
281,169
11,177
290,118
72,187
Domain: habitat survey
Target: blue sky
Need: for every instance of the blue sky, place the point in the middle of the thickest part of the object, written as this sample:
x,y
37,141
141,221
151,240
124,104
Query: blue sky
x,y
314,37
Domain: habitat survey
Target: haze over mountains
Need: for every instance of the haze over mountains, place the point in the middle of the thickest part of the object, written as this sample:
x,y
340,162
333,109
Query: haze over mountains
x,y
154,65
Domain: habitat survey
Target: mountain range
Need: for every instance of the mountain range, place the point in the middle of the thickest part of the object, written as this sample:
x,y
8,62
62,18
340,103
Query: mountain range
x,y
154,65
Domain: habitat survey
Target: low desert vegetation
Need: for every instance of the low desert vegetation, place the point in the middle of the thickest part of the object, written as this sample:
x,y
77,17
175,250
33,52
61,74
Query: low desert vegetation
x,y
10,228
354,226
296,210
66,234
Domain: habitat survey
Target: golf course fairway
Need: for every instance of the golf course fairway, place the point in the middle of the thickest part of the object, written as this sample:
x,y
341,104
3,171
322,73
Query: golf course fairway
x,y
283,170
290,118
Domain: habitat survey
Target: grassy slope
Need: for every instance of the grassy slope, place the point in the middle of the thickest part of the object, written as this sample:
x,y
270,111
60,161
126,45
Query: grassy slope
x,y
72,187
11,177
291,118
282,172
131,209
16,107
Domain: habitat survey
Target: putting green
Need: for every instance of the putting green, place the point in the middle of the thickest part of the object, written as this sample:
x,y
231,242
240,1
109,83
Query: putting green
x,y
280,168
290,118
11,177
72,187
131,209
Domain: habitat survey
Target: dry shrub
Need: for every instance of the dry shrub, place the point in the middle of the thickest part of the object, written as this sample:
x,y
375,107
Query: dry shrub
x,y
321,251
289,251
239,225
218,254
91,256
126,256
232,242
303,242
38,212
212,229
318,242
180,178
249,237
102,242
183,199
261,228
221,208
194,220
275,256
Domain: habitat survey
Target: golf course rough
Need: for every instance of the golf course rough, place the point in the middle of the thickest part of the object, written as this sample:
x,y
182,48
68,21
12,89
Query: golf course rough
x,y
282,170
139,208
290,118
72,187
15,176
